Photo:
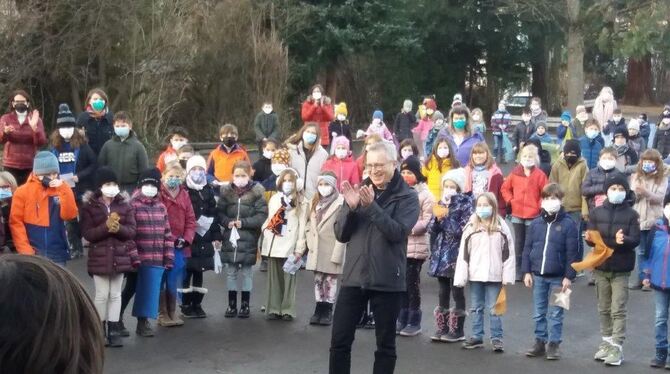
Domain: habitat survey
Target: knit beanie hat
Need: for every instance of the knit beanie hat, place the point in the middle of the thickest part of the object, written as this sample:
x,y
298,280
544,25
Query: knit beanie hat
x,y
457,176
281,156
438,115
618,178
666,113
620,131
378,115
580,109
413,164
541,124
194,161
565,116
151,176
328,177
105,175
341,140
534,141
572,145
341,108
45,163
634,124
458,100
65,118
430,104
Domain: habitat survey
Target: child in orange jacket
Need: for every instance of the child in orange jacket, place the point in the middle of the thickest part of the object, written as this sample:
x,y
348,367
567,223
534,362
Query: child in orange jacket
x,y
221,160
40,208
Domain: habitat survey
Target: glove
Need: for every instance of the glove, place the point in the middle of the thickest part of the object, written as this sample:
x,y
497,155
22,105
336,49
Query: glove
x,y
114,227
180,243
113,222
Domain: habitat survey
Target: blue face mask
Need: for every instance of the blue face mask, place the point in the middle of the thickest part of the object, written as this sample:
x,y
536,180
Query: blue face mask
x,y
309,138
5,193
173,182
616,197
122,132
98,105
480,167
459,124
648,167
484,212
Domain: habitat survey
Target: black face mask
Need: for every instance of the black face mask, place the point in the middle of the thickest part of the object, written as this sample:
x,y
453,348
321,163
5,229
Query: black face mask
x,y
46,181
21,108
229,141
570,159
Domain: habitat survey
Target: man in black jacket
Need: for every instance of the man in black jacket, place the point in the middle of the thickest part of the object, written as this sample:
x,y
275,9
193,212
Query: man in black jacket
x,y
375,221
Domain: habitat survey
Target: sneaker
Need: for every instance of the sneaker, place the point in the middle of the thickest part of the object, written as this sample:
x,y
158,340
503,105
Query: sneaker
x,y
615,356
603,350
187,311
552,351
473,343
537,350
659,359
497,345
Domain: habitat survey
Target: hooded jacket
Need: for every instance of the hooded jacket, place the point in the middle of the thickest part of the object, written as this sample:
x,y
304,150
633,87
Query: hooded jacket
x,y
220,162
418,242
109,253
326,254
593,187
345,170
446,235
181,216
319,113
523,192
37,219
551,246
308,167
376,255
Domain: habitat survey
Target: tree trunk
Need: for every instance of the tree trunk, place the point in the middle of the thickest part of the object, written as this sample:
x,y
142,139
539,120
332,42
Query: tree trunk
x,y
575,57
638,82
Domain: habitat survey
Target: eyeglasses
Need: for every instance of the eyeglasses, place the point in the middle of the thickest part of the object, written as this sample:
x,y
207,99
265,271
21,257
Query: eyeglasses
x,y
375,166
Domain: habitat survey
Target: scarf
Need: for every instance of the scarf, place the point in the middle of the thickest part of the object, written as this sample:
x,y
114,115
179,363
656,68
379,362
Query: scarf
x,y
323,205
239,191
278,219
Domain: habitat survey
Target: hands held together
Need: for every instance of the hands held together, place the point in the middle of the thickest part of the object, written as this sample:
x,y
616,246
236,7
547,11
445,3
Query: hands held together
x,y
355,195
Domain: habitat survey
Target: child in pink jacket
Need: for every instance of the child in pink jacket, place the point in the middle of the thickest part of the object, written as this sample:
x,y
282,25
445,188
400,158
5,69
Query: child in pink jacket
x,y
378,127
342,163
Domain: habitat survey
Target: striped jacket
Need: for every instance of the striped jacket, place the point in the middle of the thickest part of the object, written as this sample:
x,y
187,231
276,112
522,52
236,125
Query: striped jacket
x,y
155,244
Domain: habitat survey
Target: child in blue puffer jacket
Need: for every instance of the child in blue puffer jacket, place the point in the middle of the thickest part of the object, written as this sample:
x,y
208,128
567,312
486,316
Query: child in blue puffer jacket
x,y
657,275
551,246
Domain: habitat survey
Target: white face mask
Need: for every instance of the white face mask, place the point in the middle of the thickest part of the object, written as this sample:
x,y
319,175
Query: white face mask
x,y
666,212
551,206
501,107
616,118
267,109
177,144
607,164
287,187
316,95
476,117
341,153
406,153
528,163
240,181
443,152
341,117
447,193
376,121
534,107
268,154
66,132
582,117
277,168
325,190
110,191
149,190
665,120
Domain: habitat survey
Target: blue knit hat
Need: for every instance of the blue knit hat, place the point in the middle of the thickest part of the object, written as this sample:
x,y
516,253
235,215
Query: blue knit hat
x,y
45,163
565,116
378,114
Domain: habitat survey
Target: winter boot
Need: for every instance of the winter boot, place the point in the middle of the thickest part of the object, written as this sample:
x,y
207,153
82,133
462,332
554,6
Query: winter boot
x,y
327,315
163,316
456,323
113,336
537,350
171,304
123,330
659,360
196,302
441,316
552,351
244,309
316,317
186,307
413,327
402,320
144,328
231,312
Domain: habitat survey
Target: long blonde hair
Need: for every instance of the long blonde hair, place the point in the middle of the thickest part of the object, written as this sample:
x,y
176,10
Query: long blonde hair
x,y
495,219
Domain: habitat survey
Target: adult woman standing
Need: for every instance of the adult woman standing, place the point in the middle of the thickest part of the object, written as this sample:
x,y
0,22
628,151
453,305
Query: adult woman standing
x,y
307,157
460,134
603,109
97,121
318,108
22,134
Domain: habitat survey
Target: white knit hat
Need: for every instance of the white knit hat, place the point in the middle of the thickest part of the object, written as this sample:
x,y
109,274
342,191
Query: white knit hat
x,y
457,176
194,161
634,124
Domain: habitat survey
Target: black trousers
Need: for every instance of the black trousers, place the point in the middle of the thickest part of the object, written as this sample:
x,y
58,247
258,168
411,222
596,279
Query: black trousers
x,y
412,298
128,291
350,304
447,288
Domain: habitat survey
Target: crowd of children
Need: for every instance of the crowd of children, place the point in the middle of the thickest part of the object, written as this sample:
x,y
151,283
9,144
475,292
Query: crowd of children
x,y
599,204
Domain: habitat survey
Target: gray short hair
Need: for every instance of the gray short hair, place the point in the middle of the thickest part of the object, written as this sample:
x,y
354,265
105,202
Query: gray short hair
x,y
386,147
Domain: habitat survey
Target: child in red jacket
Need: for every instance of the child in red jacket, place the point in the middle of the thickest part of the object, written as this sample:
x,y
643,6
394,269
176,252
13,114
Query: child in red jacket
x,y
182,223
342,163
522,191
177,138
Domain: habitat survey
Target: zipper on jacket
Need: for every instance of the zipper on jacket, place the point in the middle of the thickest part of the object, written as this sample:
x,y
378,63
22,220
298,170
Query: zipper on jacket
x,y
546,244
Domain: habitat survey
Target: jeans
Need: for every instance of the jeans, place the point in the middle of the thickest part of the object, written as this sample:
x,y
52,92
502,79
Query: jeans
x,y
662,301
498,148
612,293
485,295
548,318
577,217
350,305
640,258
